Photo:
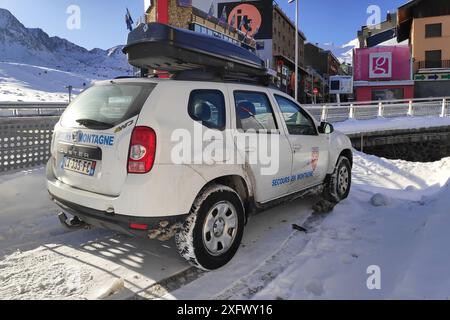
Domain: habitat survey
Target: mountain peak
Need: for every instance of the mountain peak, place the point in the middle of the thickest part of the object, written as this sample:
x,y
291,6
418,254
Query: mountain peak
x,y
7,19
34,46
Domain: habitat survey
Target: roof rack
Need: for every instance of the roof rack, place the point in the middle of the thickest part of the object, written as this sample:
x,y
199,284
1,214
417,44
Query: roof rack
x,y
190,55
216,75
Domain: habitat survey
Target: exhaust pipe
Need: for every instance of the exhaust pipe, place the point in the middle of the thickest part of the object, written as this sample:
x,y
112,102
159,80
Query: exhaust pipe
x,y
73,223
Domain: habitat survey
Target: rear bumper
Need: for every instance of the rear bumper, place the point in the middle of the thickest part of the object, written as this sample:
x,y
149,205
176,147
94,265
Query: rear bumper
x,y
158,226
162,228
161,193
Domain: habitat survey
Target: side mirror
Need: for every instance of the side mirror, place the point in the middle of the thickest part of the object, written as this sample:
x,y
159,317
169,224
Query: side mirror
x,y
326,128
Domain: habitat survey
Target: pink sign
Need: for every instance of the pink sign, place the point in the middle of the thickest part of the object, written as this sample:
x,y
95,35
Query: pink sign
x,y
382,63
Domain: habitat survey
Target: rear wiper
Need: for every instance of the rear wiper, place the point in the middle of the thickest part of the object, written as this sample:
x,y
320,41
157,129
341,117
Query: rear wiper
x,y
94,123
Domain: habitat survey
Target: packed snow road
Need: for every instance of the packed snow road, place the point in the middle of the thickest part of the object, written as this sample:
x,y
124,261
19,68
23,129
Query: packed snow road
x,y
396,218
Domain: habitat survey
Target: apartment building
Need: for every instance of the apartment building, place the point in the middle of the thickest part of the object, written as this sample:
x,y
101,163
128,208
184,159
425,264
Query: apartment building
x,y
426,24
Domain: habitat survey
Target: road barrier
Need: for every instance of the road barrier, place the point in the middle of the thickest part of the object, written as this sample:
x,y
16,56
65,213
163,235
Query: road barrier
x,y
439,107
30,109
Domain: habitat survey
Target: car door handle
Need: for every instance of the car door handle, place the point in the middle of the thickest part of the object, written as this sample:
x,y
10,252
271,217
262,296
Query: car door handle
x,y
250,150
297,147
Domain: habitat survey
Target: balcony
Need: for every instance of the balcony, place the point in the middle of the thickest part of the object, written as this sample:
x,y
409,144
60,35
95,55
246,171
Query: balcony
x,y
431,64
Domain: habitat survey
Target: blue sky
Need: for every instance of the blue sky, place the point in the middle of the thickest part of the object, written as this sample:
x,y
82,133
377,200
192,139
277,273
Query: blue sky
x,y
103,26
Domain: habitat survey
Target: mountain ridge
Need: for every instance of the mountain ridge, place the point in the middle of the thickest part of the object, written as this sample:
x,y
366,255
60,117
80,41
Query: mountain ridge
x,y
33,45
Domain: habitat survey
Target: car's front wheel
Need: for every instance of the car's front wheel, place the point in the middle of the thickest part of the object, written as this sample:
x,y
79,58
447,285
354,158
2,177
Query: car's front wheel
x,y
339,183
213,231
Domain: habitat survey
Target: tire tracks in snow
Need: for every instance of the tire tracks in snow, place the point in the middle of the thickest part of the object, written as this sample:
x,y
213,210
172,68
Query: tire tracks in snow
x,y
248,286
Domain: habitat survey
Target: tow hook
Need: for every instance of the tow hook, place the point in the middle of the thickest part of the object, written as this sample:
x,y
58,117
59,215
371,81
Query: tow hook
x,y
73,223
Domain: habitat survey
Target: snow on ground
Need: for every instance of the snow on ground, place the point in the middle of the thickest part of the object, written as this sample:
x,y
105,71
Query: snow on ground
x,y
36,83
405,237
31,83
396,218
382,124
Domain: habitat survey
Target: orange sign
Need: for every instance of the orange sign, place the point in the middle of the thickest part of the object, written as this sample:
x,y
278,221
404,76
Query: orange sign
x,y
247,18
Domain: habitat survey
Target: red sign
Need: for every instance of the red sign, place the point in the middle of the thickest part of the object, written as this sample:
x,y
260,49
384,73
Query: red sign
x,y
316,91
163,11
246,17
382,63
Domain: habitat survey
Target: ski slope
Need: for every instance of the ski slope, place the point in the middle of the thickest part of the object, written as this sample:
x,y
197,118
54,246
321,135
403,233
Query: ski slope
x,y
396,218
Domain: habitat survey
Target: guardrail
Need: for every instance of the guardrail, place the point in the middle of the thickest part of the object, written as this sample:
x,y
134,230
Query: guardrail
x,y
439,107
29,109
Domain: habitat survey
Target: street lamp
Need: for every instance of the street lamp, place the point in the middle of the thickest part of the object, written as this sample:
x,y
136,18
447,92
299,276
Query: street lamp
x,y
296,47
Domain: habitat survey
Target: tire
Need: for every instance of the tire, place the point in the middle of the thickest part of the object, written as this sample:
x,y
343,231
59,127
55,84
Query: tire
x,y
339,183
213,232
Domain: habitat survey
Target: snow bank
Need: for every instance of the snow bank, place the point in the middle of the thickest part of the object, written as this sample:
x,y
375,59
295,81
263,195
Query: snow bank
x,y
23,277
405,239
383,124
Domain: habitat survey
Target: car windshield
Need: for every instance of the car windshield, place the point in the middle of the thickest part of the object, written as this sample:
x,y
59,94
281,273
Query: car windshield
x,y
104,106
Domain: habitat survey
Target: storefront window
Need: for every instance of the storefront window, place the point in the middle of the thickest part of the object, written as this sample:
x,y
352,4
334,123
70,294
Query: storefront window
x,y
388,94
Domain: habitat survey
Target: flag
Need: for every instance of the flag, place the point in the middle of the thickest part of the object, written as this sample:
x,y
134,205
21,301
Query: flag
x,y
223,16
241,24
129,20
233,21
211,11
249,28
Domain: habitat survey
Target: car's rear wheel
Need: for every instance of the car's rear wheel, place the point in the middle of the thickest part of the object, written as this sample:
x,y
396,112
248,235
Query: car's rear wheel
x,y
213,231
339,184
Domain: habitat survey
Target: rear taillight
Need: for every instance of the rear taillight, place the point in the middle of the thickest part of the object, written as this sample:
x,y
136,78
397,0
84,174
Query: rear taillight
x,y
141,156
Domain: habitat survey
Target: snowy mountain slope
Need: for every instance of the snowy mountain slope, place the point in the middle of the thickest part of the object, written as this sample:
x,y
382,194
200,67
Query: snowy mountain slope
x,y
343,52
24,52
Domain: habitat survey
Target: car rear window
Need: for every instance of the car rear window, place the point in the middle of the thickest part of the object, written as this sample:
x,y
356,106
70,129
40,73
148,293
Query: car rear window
x,y
103,106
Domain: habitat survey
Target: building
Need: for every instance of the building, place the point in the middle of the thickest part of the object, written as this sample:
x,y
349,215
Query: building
x,y
274,33
382,73
426,24
189,17
283,53
325,64
371,36
260,26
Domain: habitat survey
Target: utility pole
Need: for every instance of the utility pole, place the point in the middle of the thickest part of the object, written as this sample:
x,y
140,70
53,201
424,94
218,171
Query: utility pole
x,y
70,88
296,46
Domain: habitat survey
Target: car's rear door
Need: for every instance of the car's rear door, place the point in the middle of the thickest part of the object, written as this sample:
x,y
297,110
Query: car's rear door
x,y
261,143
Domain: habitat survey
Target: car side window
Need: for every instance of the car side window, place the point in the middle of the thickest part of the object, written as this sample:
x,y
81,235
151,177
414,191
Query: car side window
x,y
254,111
297,120
208,108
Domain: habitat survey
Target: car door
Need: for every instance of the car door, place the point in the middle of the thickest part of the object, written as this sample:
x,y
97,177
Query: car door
x,y
259,140
310,149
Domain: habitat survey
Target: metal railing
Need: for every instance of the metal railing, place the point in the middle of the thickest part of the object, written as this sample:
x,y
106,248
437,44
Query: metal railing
x,y
30,109
431,64
438,107
26,130
25,141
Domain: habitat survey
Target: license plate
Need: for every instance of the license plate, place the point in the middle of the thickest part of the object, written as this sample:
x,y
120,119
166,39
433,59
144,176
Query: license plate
x,y
86,167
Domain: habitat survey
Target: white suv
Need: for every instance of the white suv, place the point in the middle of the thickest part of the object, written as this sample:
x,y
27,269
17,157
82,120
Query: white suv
x,y
122,160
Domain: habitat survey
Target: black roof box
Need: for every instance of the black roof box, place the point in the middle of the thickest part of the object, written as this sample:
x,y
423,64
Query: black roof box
x,y
166,48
